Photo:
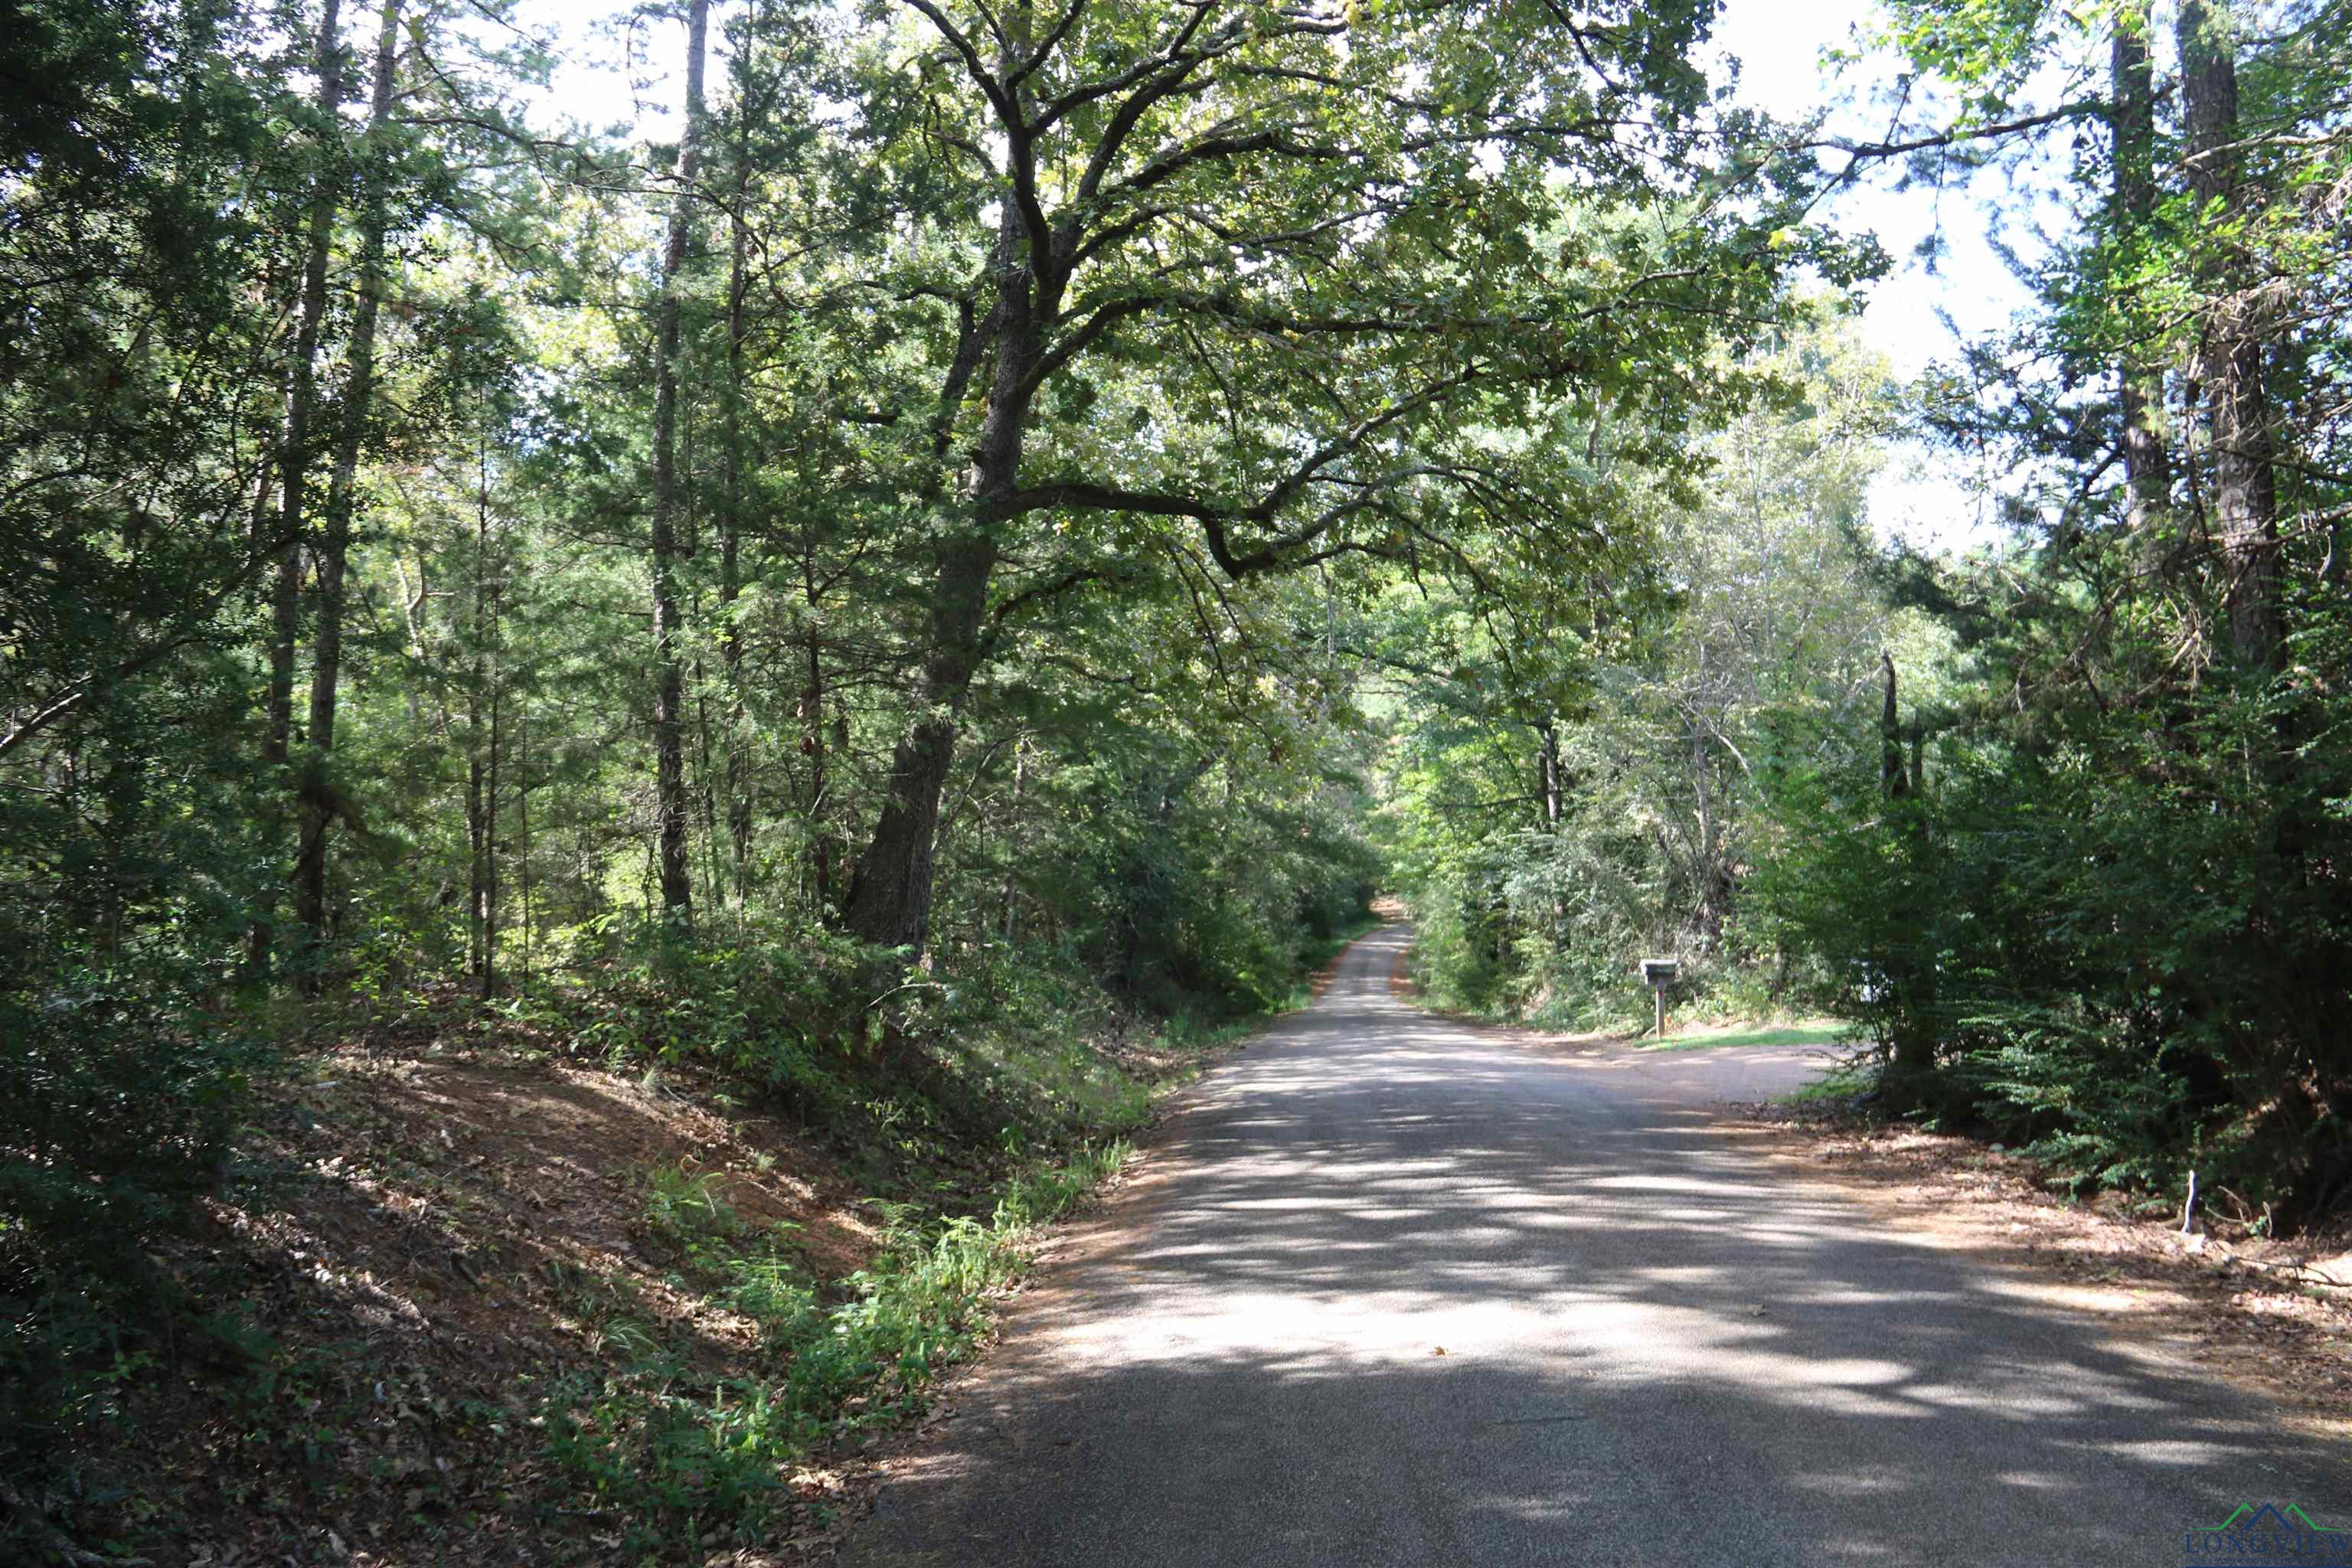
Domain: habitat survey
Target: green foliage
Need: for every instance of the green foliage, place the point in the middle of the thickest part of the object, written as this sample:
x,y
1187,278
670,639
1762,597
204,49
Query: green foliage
x,y
1799,1034
1558,807
1187,902
336,599
1841,1083
1855,886
2103,929
119,1091
688,1208
141,172
770,1005
677,1459
2096,942
1069,563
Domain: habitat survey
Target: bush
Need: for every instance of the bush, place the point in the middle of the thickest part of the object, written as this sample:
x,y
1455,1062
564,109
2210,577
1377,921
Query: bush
x,y
2098,945
118,1094
679,1462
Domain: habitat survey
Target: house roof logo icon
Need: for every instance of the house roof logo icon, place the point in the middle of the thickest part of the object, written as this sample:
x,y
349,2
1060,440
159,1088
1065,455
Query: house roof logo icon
x,y
2288,1534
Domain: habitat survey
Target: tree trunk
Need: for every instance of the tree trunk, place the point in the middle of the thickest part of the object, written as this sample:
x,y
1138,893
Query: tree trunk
x,y
730,581
890,898
522,834
714,875
294,462
1012,847
359,393
890,901
669,682
478,855
2148,469
2230,357
1548,774
490,836
1894,779
482,744
294,452
1913,1043
812,714
1712,877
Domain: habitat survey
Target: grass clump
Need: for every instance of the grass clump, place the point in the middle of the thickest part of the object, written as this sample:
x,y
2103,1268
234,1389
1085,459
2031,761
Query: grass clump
x,y
690,1209
674,1456
1844,1081
1784,1035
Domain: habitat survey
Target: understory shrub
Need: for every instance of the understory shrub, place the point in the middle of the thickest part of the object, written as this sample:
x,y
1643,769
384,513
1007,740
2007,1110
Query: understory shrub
x,y
2100,951
119,1091
677,1458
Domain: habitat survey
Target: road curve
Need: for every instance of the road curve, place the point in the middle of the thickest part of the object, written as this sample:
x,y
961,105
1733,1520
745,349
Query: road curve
x,y
1655,1348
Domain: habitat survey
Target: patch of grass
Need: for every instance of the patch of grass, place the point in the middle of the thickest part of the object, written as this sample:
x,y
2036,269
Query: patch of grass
x,y
683,1461
1786,1035
1838,1083
688,1209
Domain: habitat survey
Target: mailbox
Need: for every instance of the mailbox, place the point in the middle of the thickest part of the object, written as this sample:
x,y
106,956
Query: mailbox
x,y
1657,973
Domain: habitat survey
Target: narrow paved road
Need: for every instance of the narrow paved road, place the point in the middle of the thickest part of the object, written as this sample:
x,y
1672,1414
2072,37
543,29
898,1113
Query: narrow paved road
x,y
1656,1348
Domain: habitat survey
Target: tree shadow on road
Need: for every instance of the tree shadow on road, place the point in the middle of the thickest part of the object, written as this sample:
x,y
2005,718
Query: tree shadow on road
x,y
1413,1294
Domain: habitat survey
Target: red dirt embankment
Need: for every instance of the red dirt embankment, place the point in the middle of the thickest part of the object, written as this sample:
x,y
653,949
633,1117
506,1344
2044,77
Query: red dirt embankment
x,y
441,1235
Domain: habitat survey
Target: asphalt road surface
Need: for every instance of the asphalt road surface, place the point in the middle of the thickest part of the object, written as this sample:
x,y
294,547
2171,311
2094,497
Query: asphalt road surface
x,y
1656,1348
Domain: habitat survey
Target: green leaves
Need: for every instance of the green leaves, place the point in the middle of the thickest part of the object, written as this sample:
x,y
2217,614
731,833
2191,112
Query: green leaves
x,y
1580,766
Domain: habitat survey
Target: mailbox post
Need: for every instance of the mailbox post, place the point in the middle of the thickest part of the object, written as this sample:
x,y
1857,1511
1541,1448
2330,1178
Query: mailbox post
x,y
1658,973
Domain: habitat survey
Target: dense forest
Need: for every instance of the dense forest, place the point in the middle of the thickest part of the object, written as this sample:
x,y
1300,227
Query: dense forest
x,y
986,547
